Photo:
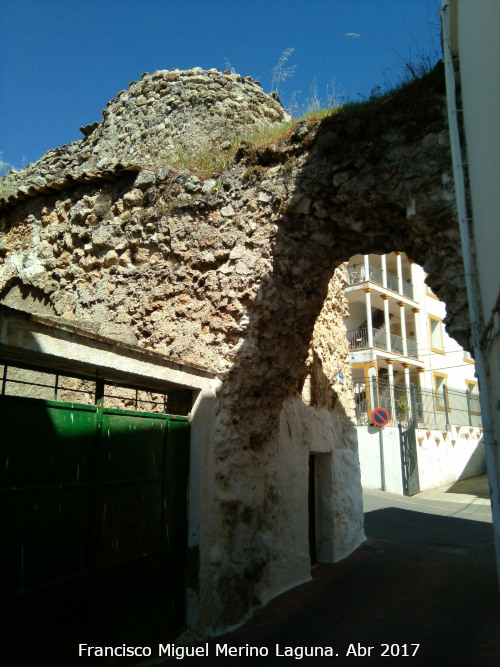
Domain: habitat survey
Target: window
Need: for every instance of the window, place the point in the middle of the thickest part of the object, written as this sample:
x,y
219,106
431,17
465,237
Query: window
x,y
436,334
428,290
473,397
441,390
468,357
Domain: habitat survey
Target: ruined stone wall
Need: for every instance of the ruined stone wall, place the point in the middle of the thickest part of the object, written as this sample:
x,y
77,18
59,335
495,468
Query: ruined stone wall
x,y
175,264
165,115
172,261
239,272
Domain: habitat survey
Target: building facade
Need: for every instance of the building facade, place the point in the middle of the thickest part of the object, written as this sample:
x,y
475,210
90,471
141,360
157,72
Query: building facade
x,y
396,330
472,76
404,361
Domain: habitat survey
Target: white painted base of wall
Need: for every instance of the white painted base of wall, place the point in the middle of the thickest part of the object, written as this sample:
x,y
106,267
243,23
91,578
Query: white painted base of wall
x,y
443,457
380,458
339,507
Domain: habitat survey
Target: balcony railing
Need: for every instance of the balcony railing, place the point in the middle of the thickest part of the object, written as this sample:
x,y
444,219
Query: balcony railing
x,y
412,348
408,289
379,338
392,282
357,274
358,339
433,409
397,344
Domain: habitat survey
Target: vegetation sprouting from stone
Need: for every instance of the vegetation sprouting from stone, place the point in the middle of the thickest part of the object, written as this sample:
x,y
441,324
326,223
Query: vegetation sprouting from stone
x,y
207,143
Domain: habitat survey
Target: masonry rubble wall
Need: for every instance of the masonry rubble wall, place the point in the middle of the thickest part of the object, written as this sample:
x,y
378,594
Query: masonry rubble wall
x,y
241,272
167,115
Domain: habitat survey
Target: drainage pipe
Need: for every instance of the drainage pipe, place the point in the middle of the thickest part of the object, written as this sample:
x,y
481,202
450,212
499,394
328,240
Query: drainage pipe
x,y
491,450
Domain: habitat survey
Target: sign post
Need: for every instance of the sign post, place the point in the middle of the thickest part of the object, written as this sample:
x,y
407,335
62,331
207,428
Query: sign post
x,y
381,417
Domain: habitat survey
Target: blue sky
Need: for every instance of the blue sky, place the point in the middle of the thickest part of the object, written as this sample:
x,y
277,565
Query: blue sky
x,y
62,60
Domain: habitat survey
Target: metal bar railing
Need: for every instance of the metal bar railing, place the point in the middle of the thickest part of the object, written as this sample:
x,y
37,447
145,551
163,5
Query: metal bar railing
x,y
25,381
357,274
435,410
358,339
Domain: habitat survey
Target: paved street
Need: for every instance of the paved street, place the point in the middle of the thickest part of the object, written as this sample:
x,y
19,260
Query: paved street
x,y
425,576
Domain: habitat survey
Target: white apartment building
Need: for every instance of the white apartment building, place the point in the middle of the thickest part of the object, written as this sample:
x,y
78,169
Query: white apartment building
x,y
404,361
397,336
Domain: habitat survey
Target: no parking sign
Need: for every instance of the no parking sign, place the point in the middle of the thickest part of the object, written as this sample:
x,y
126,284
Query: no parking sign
x,y
380,417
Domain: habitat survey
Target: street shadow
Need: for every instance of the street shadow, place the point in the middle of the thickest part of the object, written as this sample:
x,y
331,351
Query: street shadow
x,y
419,529
414,581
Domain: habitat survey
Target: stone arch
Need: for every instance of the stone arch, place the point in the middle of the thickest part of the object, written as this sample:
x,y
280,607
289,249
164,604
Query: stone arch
x,y
234,272
371,181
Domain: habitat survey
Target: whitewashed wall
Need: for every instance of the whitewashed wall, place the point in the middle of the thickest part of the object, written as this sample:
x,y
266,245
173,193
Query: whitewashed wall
x,y
380,458
339,507
443,457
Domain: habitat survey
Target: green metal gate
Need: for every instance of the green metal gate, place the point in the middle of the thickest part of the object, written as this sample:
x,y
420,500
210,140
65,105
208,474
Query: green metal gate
x,y
94,527
408,446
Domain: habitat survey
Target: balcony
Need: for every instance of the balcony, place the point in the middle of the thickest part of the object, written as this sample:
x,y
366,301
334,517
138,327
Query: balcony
x,y
357,275
358,340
